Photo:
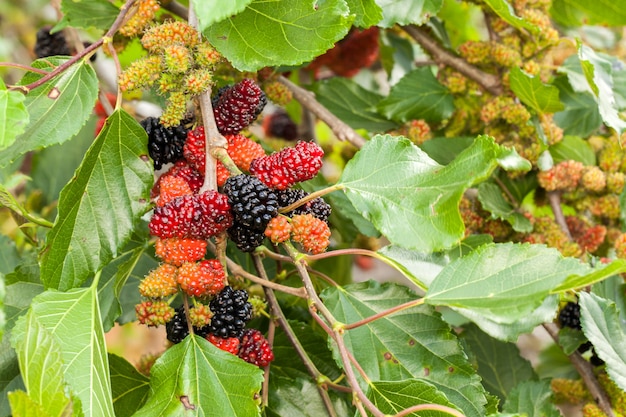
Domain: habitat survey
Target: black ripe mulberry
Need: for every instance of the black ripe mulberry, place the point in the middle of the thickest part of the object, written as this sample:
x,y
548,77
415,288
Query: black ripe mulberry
x,y
246,239
165,144
177,329
231,311
50,44
237,106
569,316
317,207
252,203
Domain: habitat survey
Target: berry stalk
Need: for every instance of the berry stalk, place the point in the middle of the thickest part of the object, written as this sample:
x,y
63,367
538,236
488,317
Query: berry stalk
x,y
311,197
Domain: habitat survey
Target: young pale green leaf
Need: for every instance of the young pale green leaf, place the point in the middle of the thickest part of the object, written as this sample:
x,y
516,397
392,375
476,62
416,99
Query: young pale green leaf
x,y
195,375
499,363
601,324
73,319
573,148
98,208
130,388
506,280
367,12
583,12
3,319
395,11
418,95
493,200
531,91
532,399
391,397
211,12
504,9
420,268
413,343
573,282
58,108
41,365
293,32
24,406
390,181
13,115
353,104
300,397
581,116
99,14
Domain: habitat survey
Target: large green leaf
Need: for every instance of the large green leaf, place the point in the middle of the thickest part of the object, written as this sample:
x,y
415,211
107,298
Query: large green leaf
x,y
532,399
98,208
41,365
58,108
73,319
413,343
24,406
194,373
9,258
99,14
420,268
129,387
391,397
506,280
583,12
493,200
209,12
531,91
504,9
10,379
602,272
573,148
418,95
397,11
581,116
499,363
287,32
367,12
601,324
353,104
392,182
13,115
300,397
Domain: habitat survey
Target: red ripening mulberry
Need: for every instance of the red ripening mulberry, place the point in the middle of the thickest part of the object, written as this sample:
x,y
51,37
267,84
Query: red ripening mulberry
x,y
243,151
194,150
312,233
278,230
160,282
183,170
238,106
200,279
154,313
230,344
283,169
176,250
255,348
170,188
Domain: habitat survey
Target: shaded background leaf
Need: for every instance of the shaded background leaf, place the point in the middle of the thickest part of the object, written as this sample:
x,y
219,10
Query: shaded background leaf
x,y
14,115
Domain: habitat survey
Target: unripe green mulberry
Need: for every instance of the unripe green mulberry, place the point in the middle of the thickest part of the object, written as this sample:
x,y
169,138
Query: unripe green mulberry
x,y
594,179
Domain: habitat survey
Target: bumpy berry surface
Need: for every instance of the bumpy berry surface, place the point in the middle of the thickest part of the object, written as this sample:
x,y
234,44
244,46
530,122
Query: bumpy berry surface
x,y
159,37
176,250
238,106
283,169
278,229
569,316
317,207
172,187
50,44
312,233
200,315
255,349
145,13
165,144
194,149
154,313
160,282
252,203
201,279
182,170
176,329
243,150
230,344
231,311
246,239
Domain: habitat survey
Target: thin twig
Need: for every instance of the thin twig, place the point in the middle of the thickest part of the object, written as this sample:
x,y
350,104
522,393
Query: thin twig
x,y
311,197
585,370
404,306
187,316
442,56
23,67
554,197
339,128
176,8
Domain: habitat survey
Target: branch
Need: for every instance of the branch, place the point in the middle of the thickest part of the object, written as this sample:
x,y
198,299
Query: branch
x,y
176,8
585,370
339,128
311,197
442,56
382,314
554,197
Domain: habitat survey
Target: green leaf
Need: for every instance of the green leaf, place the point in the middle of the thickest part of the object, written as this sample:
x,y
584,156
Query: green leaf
x,y
300,397
391,397
353,104
532,399
9,258
573,148
396,11
367,12
23,406
581,116
2,296
73,319
98,208
58,108
499,363
41,365
412,343
10,379
85,14
613,288
493,200
214,11
506,280
602,272
571,339
543,98
443,150
418,95
13,115
293,32
600,321
420,268
194,373
130,388
392,182
582,12
504,9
